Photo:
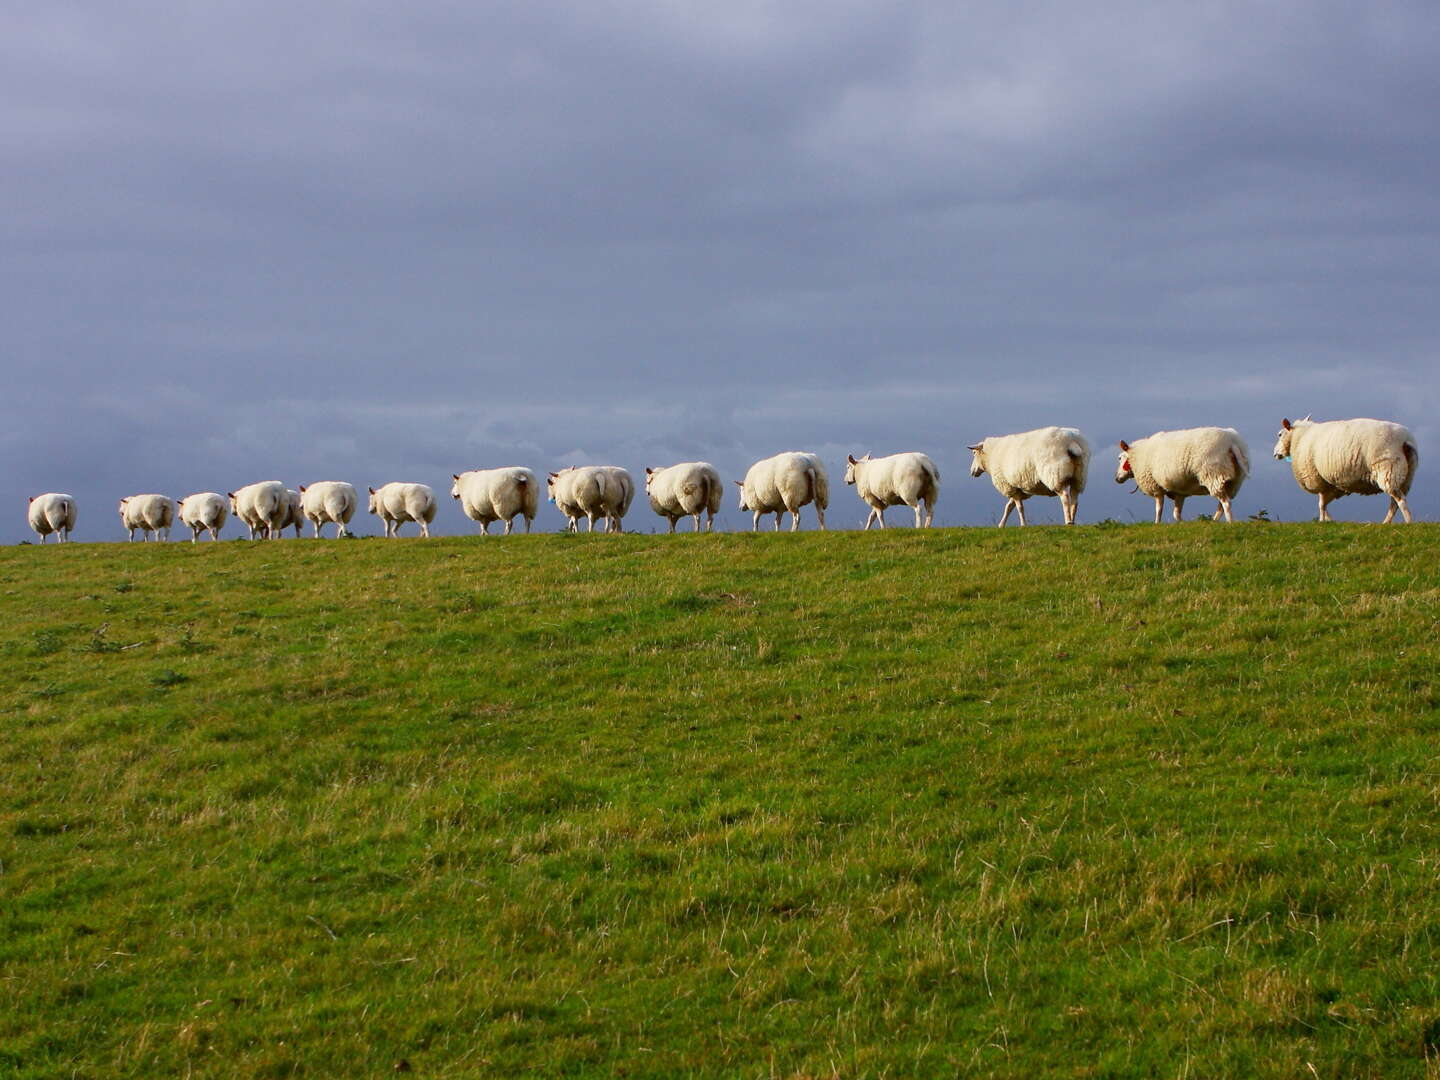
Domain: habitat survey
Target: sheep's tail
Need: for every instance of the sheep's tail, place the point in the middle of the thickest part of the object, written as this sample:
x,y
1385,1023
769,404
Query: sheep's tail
x,y
1412,461
819,487
1079,465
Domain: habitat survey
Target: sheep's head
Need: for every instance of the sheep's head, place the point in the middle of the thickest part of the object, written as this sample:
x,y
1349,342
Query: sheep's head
x,y
455,487
122,505
977,459
650,475
374,502
1285,434
234,502
1124,472
850,462
741,485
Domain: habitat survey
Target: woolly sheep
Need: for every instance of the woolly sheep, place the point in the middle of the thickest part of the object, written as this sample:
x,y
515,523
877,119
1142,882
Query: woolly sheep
x,y
785,483
294,513
327,502
1046,461
397,503
52,512
1333,458
265,507
148,513
205,510
1196,461
689,489
591,491
897,480
502,494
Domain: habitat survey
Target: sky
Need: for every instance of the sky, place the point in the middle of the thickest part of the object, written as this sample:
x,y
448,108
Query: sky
x,y
378,241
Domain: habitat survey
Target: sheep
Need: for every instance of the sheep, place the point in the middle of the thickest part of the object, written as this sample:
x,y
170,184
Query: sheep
x,y
1046,461
148,513
1333,458
205,510
502,494
329,501
689,489
265,507
397,503
1196,461
785,482
591,491
897,480
52,512
294,513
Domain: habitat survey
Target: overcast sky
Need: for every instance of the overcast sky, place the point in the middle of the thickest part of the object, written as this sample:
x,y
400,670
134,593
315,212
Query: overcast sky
x,y
380,241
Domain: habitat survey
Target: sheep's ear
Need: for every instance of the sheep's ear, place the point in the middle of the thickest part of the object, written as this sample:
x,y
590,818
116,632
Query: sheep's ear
x,y
302,487
371,490
1124,445
850,458
649,471
1307,417
553,475
32,498
1286,424
230,494
740,483
975,447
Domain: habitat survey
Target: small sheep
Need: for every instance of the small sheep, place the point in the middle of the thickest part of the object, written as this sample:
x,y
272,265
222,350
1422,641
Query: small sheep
x,y
1196,461
326,502
205,510
294,513
785,483
1334,458
397,503
148,513
265,507
1046,461
591,492
502,494
689,489
52,512
897,480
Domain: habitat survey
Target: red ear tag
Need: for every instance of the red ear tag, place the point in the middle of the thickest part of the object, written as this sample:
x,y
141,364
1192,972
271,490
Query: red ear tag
x,y
1125,464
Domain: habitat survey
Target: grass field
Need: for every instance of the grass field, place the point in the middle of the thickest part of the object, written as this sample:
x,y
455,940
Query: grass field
x,y
1112,801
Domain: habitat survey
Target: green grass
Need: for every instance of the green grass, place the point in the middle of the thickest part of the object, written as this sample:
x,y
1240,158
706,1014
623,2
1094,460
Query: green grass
x,y
1112,801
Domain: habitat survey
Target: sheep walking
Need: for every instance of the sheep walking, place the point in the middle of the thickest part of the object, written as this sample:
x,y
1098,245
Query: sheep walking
x,y
53,512
205,510
397,503
503,494
783,484
898,480
328,502
594,492
1334,458
1177,464
689,489
265,508
1053,461
149,514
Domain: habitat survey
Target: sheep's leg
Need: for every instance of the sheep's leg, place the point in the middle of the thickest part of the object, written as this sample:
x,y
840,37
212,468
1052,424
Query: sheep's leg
x,y
1404,507
1325,507
778,515
879,515
1020,510
509,525
1223,508
1010,504
820,514
1179,501
794,519
1159,508
919,517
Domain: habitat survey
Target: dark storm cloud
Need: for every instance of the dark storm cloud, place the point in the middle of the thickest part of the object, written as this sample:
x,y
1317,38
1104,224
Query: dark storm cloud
x,y
379,241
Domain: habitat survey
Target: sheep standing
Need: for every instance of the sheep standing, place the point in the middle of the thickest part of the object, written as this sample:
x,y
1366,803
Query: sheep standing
x,y
294,513
897,480
205,510
503,494
327,502
1176,464
149,514
1047,461
591,491
397,503
52,512
689,489
265,507
619,494
784,483
1334,458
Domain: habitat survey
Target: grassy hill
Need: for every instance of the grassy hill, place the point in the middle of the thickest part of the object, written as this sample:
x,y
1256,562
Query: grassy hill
x,y
1111,801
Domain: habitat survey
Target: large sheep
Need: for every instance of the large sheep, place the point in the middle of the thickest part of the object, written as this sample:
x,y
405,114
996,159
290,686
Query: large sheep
x,y
149,514
591,492
897,480
205,510
1196,461
327,502
503,494
785,483
1046,461
265,508
52,512
397,503
1351,457
689,489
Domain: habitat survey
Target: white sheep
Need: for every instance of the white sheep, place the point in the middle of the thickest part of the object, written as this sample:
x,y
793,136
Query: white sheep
x,y
1046,461
502,494
327,502
265,507
784,483
294,513
396,503
689,489
205,510
897,480
148,513
53,512
1210,461
591,491
1351,457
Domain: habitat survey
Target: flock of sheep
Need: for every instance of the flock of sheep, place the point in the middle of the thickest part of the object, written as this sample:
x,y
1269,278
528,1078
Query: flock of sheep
x,y
1329,459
